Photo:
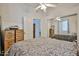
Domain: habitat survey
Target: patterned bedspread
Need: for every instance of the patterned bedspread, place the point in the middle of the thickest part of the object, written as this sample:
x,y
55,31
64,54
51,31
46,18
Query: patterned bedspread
x,y
43,47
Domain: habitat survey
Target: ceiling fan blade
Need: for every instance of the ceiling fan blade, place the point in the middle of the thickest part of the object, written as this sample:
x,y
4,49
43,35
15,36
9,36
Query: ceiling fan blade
x,y
50,5
38,7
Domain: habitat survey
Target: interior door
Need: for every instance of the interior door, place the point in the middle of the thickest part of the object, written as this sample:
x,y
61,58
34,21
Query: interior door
x,y
36,28
33,30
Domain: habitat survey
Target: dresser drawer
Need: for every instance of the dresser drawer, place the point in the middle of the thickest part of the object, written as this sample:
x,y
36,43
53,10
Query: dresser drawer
x,y
18,40
19,35
7,44
9,35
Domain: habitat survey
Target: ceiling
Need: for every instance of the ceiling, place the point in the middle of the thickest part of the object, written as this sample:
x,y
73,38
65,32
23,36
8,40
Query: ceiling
x,y
57,4
34,5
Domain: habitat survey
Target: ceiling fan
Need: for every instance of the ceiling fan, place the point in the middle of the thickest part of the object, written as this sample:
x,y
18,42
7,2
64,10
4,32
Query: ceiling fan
x,y
44,6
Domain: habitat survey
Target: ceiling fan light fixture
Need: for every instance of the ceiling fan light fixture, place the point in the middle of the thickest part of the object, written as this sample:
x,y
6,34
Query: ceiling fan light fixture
x,y
50,5
43,6
58,18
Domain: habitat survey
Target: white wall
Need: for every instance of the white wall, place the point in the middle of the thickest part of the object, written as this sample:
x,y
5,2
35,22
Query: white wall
x,y
63,11
78,29
72,25
12,14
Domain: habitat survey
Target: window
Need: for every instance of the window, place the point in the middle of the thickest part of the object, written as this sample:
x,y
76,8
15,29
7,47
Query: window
x,y
63,26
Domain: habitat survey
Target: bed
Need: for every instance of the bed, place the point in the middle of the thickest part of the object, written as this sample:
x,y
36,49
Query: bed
x,y
43,47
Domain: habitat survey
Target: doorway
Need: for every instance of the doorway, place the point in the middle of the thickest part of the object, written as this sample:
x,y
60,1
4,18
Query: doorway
x,y
33,30
36,28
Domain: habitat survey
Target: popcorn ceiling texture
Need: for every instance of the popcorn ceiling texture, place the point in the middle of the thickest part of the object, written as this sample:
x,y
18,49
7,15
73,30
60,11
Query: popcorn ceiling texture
x,y
43,47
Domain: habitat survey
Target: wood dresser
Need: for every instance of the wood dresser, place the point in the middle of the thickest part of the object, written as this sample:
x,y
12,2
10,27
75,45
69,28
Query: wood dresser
x,y
11,37
19,35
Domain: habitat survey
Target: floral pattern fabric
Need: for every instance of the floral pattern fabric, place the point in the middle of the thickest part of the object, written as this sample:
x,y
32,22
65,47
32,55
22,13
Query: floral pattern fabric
x,y
43,47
